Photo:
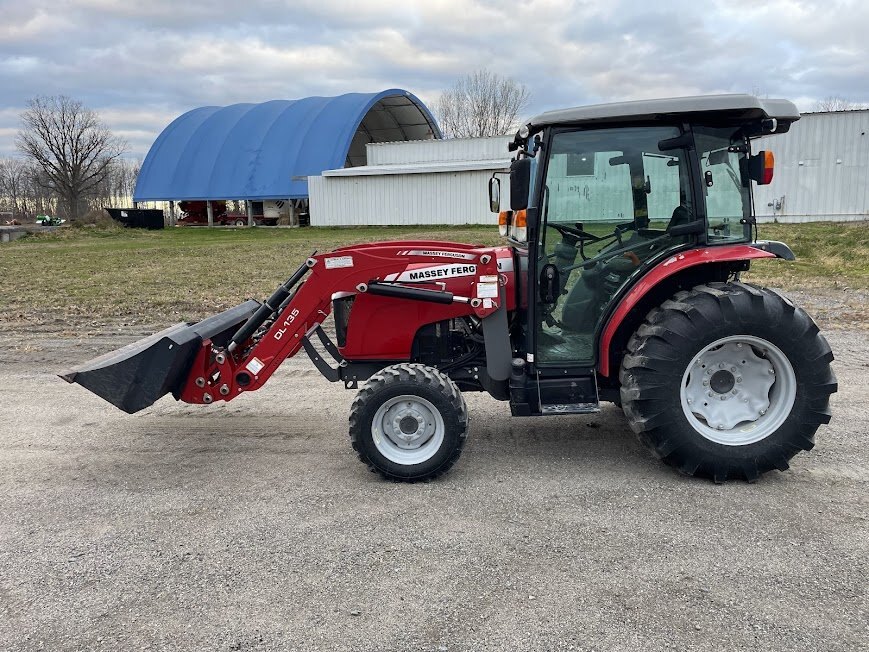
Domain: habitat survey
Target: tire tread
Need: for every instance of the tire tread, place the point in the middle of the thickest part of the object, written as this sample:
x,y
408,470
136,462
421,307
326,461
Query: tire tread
x,y
657,346
408,372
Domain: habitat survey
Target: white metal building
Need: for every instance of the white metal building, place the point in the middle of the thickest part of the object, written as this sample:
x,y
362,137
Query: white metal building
x,y
821,170
416,182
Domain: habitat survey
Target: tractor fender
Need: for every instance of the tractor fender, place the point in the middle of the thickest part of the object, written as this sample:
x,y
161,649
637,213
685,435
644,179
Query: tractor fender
x,y
673,265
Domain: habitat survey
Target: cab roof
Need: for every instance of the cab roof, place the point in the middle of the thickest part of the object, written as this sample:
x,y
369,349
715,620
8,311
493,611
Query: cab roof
x,y
734,107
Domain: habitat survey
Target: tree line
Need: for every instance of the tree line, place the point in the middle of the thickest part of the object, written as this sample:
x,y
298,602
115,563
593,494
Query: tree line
x,y
71,163
25,192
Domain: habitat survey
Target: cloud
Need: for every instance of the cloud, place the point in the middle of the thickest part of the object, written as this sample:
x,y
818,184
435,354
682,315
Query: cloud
x,y
142,64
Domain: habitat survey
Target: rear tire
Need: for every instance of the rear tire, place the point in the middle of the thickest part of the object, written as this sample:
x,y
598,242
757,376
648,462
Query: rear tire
x,y
727,380
409,422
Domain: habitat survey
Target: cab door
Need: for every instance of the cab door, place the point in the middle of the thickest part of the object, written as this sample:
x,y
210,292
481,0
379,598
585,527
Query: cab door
x,y
608,198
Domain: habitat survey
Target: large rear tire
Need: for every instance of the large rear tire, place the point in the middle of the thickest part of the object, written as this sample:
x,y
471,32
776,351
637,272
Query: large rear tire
x,y
727,380
409,422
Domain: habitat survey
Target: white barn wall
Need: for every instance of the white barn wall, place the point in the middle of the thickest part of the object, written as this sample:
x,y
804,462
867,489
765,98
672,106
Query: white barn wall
x,y
424,151
403,199
821,170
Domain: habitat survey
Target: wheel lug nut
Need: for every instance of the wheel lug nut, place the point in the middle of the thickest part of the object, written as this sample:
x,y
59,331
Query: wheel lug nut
x,y
705,383
723,397
734,392
709,394
733,370
739,379
721,365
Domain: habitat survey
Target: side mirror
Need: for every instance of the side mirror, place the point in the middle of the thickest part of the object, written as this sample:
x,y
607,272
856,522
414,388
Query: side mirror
x,y
520,182
761,166
550,284
495,194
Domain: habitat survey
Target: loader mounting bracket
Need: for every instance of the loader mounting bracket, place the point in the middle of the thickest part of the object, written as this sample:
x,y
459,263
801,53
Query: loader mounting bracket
x,y
329,372
350,373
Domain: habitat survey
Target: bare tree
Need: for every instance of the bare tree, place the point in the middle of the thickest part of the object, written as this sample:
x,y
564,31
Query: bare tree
x,y
70,145
836,103
41,199
14,184
481,104
117,188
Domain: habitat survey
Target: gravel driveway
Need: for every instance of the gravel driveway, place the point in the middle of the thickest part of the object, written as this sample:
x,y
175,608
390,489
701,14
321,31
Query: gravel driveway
x,y
252,526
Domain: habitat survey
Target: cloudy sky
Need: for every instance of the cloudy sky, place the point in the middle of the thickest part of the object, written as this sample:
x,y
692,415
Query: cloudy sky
x,y
141,63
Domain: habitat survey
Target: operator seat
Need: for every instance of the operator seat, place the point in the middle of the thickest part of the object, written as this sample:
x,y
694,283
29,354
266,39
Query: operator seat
x,y
590,293
681,215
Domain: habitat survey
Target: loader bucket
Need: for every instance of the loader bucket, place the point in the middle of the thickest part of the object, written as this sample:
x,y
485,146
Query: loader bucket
x,y
135,376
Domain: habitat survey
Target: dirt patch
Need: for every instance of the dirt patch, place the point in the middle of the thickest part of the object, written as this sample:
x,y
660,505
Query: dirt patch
x,y
832,307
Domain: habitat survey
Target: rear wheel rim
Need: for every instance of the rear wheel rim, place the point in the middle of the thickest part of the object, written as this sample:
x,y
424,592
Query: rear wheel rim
x,y
738,390
408,430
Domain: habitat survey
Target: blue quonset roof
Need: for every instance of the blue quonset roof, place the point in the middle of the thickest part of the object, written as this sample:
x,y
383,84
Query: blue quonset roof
x,y
267,151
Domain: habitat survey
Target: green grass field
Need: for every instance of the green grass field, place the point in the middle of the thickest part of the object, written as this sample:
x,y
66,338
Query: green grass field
x,y
91,277
829,255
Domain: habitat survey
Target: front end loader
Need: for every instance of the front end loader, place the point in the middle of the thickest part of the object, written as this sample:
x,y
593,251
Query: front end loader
x,y
628,229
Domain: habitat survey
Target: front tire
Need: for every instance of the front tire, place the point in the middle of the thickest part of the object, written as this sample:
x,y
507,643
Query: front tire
x,y
727,380
409,422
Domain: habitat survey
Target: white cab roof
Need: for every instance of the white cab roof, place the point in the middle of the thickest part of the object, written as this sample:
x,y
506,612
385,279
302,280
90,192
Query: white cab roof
x,y
746,107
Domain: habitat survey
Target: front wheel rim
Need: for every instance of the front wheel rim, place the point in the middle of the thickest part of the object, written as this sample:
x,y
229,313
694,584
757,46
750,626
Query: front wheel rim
x,y
738,390
407,430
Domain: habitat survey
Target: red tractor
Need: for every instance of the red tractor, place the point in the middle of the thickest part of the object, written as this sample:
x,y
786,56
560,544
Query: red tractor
x,y
628,229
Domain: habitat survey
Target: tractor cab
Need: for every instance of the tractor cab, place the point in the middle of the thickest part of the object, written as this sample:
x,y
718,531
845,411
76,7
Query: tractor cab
x,y
601,195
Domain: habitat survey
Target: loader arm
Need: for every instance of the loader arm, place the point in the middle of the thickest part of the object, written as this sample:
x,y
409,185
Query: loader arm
x,y
222,373
238,350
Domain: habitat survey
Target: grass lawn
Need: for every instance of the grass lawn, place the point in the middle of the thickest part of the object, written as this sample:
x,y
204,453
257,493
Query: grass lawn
x,y
87,278
829,256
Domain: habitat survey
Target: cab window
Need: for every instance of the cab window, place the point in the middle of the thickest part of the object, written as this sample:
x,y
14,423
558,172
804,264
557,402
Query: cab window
x,y
726,184
608,199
